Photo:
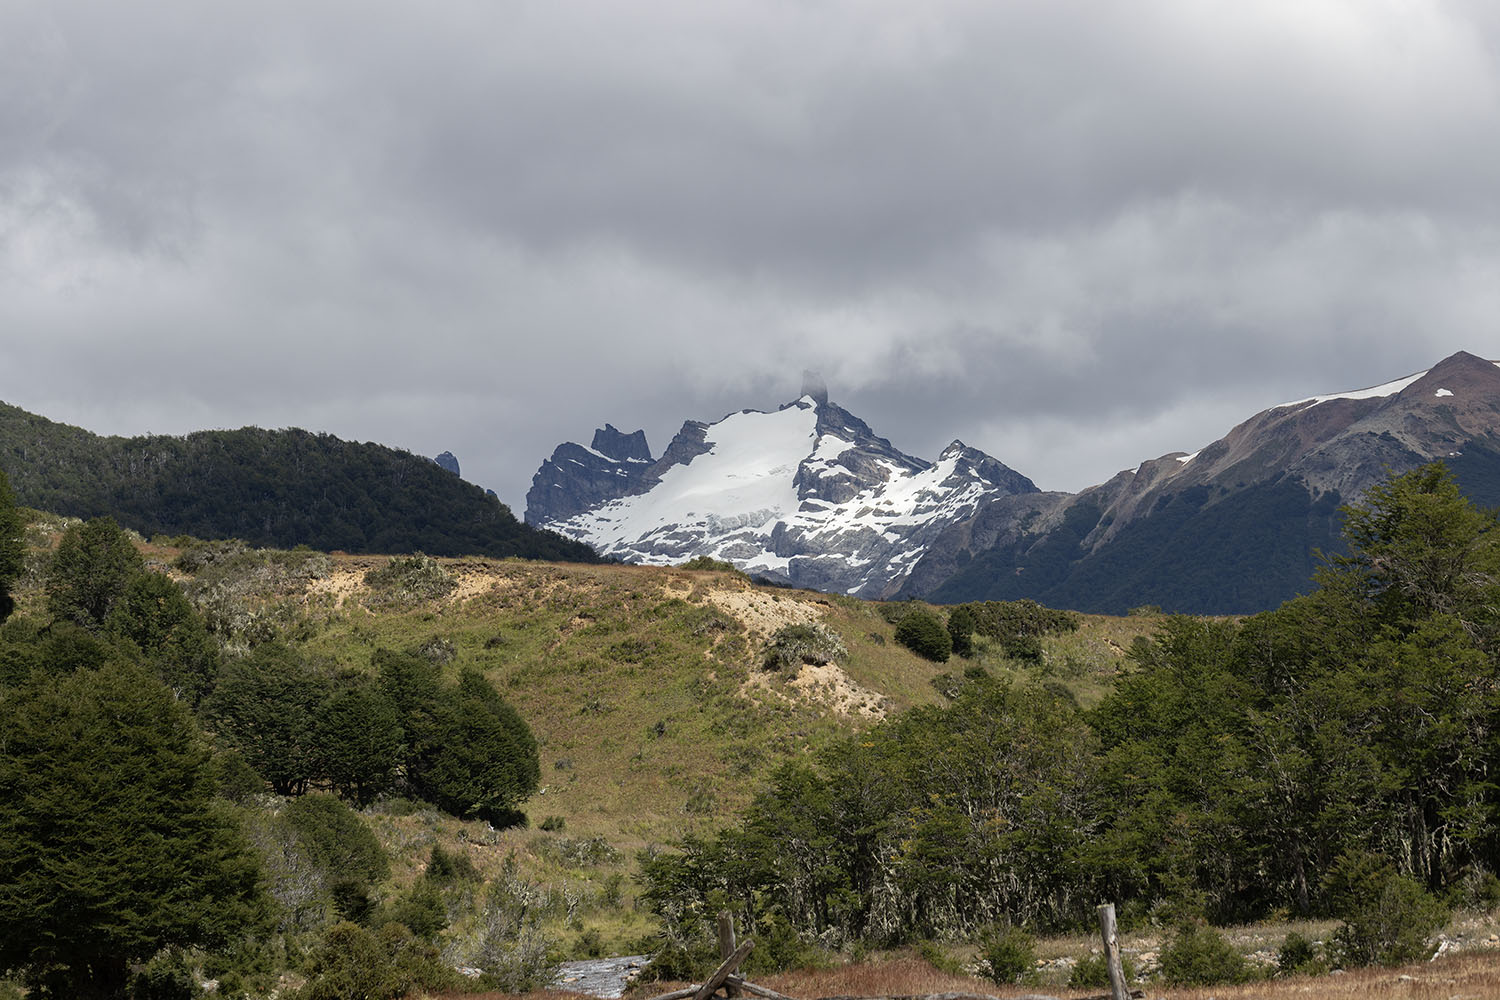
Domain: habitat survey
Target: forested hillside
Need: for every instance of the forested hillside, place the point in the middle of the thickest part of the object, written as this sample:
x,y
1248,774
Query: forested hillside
x,y
271,488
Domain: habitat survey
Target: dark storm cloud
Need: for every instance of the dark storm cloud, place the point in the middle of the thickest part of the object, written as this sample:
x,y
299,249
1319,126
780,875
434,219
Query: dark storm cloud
x,y
1077,235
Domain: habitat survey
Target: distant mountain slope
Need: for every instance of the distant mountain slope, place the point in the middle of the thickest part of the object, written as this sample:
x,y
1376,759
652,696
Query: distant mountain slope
x,y
270,488
806,494
1235,527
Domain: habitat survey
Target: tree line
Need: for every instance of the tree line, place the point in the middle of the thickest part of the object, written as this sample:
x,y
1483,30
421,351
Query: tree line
x,y
279,488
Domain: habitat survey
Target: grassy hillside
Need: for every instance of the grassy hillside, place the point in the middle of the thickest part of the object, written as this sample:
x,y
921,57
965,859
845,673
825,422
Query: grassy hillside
x,y
644,686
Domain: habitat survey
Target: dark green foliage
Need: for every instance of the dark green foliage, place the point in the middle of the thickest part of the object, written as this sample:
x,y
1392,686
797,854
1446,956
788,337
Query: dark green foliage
x,y
271,488
166,977
153,613
352,962
360,741
794,645
1006,954
1092,971
924,633
421,909
60,647
708,563
479,758
942,821
1198,955
1299,956
1389,919
111,848
961,626
1011,619
12,550
94,563
266,707
450,867
336,838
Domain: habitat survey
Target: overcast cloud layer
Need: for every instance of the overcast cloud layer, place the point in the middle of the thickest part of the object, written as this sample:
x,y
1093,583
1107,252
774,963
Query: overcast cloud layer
x,y
1074,234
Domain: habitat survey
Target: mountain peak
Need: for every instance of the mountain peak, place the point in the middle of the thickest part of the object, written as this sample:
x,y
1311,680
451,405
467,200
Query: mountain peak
x,y
814,386
806,493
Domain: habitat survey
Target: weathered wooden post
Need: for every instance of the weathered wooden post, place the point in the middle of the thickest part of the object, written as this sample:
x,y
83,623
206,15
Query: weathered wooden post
x,y
726,948
1117,990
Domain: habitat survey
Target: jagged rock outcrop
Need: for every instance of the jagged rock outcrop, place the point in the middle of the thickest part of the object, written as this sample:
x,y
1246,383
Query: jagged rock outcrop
x,y
447,461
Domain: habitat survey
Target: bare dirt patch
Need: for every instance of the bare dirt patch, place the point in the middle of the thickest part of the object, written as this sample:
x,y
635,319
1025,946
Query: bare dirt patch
x,y
762,614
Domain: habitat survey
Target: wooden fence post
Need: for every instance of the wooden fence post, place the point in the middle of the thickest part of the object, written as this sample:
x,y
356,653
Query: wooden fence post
x,y
726,948
1117,990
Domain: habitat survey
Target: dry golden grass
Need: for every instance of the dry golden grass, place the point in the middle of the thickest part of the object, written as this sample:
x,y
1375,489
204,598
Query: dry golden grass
x,y
1468,976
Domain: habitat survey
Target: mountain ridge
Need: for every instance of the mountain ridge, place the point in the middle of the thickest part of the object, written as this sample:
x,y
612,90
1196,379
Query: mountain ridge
x,y
1234,527
805,494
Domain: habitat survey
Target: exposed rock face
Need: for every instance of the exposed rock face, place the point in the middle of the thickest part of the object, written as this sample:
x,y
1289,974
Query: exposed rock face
x,y
576,478
807,494
447,461
1232,528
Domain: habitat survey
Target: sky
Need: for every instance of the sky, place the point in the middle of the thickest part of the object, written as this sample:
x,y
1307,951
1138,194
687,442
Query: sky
x,y
1074,234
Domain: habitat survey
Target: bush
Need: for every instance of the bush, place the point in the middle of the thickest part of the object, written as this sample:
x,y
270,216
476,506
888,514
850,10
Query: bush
x,y
407,581
1298,957
1389,919
794,645
1199,956
382,965
336,838
1092,972
1006,954
923,633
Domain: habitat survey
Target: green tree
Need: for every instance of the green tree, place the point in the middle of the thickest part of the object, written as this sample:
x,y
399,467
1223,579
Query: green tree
x,y
961,626
482,760
360,741
94,563
265,706
12,551
924,633
153,613
111,846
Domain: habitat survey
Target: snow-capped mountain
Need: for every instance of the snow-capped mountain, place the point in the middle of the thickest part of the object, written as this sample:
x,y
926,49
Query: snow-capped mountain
x,y
807,494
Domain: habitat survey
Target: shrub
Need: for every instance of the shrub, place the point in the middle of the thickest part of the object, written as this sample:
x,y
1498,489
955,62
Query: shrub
x,y
1006,954
1199,956
794,645
448,867
1299,956
406,581
1092,972
382,965
1389,919
336,838
554,824
924,634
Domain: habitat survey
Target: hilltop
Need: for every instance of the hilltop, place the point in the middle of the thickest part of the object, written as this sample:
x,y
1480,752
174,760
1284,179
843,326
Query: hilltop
x,y
269,487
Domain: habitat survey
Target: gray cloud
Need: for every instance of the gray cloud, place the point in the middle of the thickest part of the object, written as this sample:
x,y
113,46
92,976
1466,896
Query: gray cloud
x,y
1076,235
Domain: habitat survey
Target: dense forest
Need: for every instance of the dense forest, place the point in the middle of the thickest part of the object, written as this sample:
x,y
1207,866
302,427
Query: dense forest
x,y
270,488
